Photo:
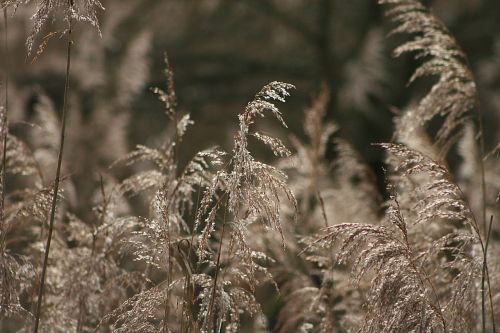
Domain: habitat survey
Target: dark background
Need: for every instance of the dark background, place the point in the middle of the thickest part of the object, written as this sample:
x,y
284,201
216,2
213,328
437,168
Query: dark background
x,y
224,51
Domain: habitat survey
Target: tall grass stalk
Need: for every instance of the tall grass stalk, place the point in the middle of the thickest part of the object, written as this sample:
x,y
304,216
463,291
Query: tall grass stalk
x,y
217,266
486,230
4,130
58,173
486,276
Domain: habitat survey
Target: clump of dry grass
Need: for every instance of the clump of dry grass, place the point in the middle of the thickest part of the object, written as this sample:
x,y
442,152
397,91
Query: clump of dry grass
x,y
426,258
223,227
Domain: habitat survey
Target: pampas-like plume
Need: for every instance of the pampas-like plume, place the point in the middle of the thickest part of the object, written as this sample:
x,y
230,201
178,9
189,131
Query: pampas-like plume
x,y
454,93
77,10
256,184
413,288
251,192
48,10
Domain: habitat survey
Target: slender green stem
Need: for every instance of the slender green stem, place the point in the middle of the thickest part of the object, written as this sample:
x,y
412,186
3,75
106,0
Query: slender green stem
x,y
57,178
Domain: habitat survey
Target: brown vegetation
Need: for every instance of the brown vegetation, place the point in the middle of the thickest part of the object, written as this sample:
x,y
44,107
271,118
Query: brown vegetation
x,y
95,239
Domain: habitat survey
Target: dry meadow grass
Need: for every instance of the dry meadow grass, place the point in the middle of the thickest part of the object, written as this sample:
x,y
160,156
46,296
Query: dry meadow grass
x,y
97,239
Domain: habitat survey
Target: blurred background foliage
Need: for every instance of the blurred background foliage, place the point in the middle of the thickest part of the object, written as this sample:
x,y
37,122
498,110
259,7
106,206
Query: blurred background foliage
x,y
223,51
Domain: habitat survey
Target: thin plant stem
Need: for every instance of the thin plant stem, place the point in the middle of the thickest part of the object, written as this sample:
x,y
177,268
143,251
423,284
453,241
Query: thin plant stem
x,y
486,276
81,307
322,205
186,301
4,130
421,273
169,276
57,178
6,35
481,168
196,210
486,231
165,215
189,292
217,265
